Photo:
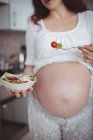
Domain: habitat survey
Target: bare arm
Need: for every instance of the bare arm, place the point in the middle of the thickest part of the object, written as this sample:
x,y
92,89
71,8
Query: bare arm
x,y
28,70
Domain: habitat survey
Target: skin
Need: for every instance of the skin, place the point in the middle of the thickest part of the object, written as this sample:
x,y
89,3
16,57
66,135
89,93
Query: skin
x,y
87,51
62,19
63,88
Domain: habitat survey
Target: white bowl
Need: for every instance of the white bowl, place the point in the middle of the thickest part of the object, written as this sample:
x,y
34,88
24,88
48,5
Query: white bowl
x,y
15,86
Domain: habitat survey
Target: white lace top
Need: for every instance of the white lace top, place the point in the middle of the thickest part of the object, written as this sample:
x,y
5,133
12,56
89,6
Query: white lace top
x,y
38,42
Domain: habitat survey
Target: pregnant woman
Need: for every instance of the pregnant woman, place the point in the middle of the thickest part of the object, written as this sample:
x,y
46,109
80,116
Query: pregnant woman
x,y
59,106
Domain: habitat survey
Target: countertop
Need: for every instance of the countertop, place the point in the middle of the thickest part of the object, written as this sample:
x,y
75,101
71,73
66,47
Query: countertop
x,y
0,84
12,126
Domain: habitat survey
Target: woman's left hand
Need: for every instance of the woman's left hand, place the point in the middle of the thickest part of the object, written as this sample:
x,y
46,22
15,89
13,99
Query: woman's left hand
x,y
87,51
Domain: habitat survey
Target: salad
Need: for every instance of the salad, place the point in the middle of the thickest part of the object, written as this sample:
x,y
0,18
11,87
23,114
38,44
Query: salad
x,y
18,79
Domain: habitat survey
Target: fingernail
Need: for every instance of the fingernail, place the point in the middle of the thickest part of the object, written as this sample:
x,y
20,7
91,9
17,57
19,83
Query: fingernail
x,y
31,88
17,95
24,94
28,89
91,44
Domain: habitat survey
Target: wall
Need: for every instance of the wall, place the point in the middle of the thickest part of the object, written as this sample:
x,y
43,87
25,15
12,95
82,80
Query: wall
x,y
10,42
89,4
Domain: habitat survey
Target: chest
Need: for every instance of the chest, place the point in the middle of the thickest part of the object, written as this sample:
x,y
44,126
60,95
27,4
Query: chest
x,y
76,37
61,25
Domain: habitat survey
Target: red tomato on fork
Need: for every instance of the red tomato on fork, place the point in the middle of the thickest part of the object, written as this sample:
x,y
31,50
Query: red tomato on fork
x,y
54,44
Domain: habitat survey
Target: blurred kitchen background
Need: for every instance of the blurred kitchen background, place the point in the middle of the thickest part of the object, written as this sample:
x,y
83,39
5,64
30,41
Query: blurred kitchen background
x,y
13,24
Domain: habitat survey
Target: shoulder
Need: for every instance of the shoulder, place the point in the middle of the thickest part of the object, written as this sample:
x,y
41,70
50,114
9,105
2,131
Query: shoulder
x,y
34,27
88,14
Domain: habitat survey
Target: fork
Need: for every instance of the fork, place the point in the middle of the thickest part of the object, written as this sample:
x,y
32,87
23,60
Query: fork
x,y
71,48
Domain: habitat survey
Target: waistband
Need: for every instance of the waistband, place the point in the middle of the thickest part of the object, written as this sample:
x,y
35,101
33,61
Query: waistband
x,y
60,58
33,102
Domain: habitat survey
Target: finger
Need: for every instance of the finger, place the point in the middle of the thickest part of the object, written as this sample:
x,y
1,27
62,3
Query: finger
x,y
91,44
28,90
31,89
13,91
9,91
17,94
90,47
84,46
88,58
86,51
24,93
87,61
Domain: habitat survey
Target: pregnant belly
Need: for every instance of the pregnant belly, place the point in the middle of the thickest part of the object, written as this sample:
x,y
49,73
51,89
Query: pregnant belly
x,y
63,88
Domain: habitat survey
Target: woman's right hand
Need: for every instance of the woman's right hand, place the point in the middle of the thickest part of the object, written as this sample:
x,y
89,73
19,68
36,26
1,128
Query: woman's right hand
x,y
27,71
20,93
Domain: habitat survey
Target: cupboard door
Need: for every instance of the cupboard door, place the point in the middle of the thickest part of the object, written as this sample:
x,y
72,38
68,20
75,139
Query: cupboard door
x,y
0,122
20,113
20,10
15,15
15,111
7,111
4,17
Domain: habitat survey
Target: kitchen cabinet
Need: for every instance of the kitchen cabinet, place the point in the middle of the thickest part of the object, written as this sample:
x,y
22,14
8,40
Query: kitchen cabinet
x,y
13,116
14,16
16,110
0,125
13,108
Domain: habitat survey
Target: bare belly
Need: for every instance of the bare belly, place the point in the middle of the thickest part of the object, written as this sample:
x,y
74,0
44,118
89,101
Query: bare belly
x,y
63,88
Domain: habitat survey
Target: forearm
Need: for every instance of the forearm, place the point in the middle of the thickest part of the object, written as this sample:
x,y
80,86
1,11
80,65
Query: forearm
x,y
28,70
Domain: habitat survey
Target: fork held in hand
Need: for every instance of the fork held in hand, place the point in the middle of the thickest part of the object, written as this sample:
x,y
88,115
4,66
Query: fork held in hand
x,y
71,48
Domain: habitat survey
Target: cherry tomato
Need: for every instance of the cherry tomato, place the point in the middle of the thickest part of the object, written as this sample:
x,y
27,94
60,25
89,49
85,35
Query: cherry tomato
x,y
12,78
54,44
